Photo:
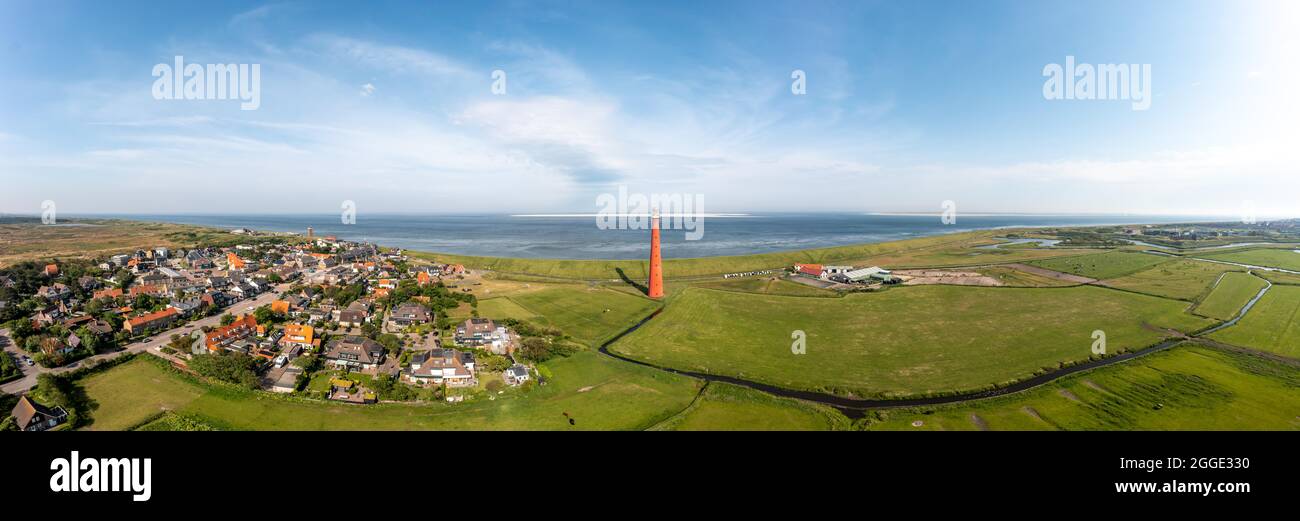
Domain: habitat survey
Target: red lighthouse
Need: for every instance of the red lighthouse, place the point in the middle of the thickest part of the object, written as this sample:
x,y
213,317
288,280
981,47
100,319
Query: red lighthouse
x,y
656,264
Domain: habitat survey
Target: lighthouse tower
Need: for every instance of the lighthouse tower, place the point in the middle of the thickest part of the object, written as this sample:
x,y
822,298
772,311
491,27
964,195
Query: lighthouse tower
x,y
656,264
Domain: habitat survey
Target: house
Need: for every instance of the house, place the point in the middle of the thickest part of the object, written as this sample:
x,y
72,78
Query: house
x,y
56,291
56,347
108,293
51,270
32,416
423,278
476,331
809,269
100,328
355,315
516,375
235,262
299,335
151,320
280,306
288,381
187,306
439,366
409,313
354,352
88,283
147,289
226,336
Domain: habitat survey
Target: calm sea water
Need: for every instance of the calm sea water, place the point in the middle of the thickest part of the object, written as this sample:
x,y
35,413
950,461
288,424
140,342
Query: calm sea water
x,y
568,237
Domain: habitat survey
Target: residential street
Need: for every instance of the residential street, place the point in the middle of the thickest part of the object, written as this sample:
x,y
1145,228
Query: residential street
x,y
161,339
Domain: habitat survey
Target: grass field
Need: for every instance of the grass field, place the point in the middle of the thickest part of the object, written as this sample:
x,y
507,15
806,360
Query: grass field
x,y
1278,277
767,286
132,392
598,392
502,307
1273,324
901,342
1179,279
1233,292
1102,266
729,407
1271,257
590,315
1185,388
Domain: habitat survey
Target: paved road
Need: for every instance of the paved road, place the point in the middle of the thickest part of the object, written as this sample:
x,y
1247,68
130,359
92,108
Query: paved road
x,y
161,339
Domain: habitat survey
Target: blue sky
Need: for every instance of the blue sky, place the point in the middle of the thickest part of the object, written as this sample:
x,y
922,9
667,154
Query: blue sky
x,y
908,104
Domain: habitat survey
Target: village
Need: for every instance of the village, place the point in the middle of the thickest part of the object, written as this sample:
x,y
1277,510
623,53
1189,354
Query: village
x,y
314,317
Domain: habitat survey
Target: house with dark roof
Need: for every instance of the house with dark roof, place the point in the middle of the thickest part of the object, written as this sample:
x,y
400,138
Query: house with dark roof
x,y
354,352
32,416
407,314
516,375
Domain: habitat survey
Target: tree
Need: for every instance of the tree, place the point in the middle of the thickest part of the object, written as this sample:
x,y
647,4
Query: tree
x,y
229,367
227,319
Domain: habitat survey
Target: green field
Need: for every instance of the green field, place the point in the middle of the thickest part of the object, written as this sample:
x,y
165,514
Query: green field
x,y
1102,266
767,286
1233,292
1273,324
133,392
1185,388
1271,257
729,407
1181,279
590,315
497,308
901,342
598,392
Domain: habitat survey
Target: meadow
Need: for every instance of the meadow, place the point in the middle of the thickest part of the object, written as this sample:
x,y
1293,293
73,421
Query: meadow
x,y
724,406
1182,279
1272,257
1227,299
598,392
1272,325
589,314
905,341
1102,266
1185,388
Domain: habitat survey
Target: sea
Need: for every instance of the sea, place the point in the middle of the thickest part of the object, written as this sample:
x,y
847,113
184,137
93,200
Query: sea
x,y
579,237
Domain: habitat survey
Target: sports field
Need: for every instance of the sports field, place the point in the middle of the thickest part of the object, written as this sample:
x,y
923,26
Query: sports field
x,y
599,393
1272,325
901,342
1227,298
1184,388
1102,266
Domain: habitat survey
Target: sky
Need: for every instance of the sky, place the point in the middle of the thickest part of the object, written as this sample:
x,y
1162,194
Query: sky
x,y
905,105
